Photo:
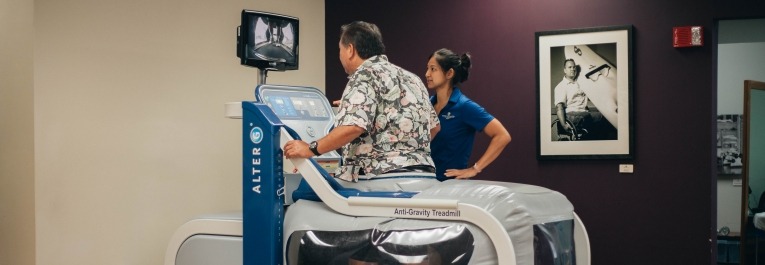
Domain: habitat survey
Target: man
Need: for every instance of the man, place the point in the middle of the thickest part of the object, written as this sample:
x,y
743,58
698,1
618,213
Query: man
x,y
385,121
570,100
574,116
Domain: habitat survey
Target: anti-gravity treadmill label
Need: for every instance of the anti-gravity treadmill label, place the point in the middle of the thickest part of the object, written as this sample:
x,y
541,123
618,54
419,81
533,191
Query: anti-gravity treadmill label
x,y
427,213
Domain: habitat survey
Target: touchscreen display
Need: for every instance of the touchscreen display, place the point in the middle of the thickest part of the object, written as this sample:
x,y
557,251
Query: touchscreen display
x,y
296,106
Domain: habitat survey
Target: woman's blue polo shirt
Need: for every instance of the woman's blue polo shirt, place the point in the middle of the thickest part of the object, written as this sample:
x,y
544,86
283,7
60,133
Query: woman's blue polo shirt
x,y
460,119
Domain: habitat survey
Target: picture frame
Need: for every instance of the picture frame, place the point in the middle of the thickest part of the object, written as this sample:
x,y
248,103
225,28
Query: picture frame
x,y
584,93
730,134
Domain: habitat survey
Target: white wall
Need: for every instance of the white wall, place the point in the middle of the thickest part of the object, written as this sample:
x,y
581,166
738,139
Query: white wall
x,y
738,62
741,52
17,194
130,138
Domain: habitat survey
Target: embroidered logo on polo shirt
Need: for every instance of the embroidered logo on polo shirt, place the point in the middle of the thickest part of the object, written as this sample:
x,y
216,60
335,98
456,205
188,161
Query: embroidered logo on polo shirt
x,y
448,116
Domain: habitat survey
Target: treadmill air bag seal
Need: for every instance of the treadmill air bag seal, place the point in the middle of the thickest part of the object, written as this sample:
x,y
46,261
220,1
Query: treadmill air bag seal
x,y
526,212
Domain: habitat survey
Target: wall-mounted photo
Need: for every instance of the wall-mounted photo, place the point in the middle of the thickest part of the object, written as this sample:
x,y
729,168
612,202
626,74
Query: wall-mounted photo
x,y
729,136
584,91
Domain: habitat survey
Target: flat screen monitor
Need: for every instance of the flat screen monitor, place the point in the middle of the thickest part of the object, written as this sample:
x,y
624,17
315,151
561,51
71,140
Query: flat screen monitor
x,y
268,41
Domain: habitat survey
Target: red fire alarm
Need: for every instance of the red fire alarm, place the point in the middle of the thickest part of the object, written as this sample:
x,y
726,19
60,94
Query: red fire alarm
x,y
688,36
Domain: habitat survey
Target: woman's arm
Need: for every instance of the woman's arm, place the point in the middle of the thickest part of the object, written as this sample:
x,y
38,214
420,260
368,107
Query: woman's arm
x,y
434,131
499,139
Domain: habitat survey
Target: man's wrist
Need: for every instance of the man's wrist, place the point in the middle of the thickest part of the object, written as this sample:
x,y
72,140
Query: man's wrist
x,y
314,147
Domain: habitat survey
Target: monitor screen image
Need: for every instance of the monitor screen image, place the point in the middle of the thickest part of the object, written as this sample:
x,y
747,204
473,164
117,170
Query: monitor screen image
x,y
291,106
268,41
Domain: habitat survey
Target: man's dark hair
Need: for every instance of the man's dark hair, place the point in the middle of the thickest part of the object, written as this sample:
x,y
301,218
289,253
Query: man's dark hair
x,y
568,60
364,36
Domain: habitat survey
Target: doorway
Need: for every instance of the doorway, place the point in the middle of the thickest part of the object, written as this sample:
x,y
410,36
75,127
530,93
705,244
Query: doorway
x,y
740,56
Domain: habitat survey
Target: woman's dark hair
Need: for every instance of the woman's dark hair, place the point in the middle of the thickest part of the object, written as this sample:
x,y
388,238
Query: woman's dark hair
x,y
447,59
364,36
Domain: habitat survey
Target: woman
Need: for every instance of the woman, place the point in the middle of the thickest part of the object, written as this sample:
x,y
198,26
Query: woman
x,y
460,119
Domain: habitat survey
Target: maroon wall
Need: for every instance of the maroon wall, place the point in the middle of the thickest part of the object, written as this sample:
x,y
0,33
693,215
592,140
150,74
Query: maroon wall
x,y
664,213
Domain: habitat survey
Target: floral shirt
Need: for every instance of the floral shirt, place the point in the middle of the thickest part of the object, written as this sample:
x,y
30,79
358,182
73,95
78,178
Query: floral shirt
x,y
392,106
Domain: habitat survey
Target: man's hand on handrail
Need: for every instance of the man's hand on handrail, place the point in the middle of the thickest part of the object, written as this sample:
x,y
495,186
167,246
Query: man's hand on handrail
x,y
297,149
336,138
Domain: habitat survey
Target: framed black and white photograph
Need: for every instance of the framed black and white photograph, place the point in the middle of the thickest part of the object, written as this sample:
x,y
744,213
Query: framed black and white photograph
x,y
584,93
730,129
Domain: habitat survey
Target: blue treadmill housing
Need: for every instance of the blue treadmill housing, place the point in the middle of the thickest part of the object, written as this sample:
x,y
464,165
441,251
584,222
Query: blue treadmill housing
x,y
263,188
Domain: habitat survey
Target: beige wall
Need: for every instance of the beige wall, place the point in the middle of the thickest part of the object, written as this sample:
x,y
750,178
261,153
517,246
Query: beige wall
x,y
17,194
130,138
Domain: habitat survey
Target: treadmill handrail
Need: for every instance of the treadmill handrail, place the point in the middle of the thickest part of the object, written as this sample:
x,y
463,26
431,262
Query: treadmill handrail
x,y
388,207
